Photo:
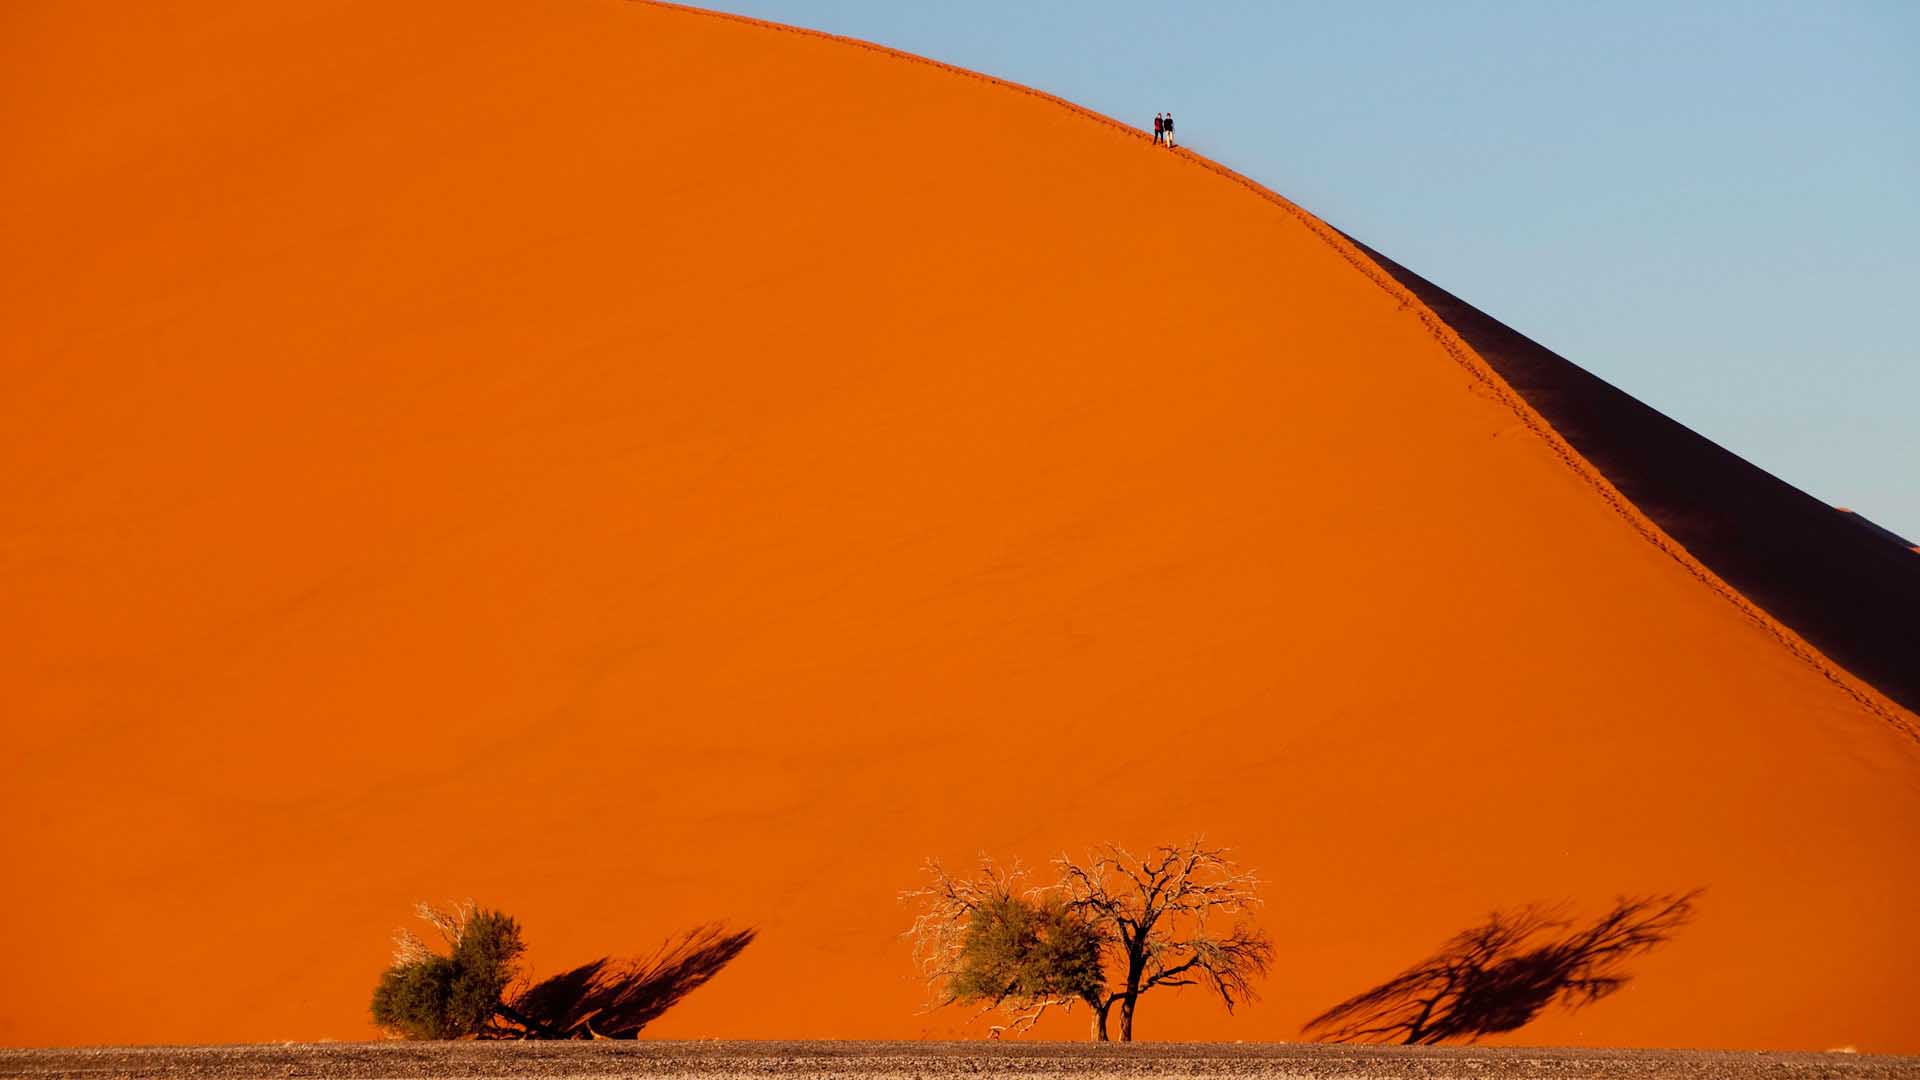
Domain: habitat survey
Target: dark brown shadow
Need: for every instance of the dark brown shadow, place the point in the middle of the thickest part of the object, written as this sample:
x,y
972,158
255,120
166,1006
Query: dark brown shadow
x,y
613,998
1499,976
1877,530
1851,591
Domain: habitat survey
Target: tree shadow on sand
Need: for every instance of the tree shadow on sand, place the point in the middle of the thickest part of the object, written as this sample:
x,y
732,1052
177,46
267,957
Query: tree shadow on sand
x,y
1499,976
613,998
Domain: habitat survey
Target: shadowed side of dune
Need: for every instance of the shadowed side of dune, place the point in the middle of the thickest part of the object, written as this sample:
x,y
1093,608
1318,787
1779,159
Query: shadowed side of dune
x,y
1847,586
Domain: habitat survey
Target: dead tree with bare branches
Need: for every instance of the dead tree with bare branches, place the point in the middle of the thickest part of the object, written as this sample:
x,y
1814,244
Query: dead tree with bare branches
x,y
1175,917
1111,928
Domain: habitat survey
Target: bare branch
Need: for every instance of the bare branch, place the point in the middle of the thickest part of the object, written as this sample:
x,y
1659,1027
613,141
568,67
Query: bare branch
x,y
450,922
1164,909
946,903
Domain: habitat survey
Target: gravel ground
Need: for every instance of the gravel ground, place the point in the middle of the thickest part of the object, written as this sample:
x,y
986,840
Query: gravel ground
x,y
924,1061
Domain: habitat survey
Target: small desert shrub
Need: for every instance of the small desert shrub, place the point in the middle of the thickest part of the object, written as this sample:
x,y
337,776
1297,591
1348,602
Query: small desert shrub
x,y
426,995
469,990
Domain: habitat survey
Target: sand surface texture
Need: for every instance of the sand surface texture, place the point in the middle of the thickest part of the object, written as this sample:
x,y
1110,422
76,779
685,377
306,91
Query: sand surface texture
x,y
636,467
833,1060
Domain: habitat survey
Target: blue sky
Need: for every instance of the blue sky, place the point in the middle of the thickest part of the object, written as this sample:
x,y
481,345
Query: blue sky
x,y
1713,205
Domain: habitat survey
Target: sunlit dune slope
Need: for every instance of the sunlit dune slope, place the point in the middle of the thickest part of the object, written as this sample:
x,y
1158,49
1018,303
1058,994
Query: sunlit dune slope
x,y
635,467
1842,582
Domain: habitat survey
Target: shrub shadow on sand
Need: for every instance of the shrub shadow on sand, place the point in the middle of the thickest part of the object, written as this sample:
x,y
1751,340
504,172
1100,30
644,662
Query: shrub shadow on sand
x,y
613,998
1499,976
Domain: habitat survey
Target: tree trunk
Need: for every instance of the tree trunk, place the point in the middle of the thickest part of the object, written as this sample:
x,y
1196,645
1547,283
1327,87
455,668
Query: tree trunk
x,y
1099,1033
1136,967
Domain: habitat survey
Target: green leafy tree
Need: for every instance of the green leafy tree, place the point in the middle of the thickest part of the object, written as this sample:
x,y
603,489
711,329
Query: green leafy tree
x,y
1027,951
983,941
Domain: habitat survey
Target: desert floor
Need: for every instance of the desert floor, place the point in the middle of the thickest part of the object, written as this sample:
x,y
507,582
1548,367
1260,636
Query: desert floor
x,y
924,1059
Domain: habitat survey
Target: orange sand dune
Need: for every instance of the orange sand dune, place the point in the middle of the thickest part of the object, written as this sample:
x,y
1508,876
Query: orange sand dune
x,y
1837,579
635,467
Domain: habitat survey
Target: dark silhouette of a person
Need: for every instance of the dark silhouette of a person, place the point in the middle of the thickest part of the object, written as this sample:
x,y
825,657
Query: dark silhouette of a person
x,y
1169,123
1159,129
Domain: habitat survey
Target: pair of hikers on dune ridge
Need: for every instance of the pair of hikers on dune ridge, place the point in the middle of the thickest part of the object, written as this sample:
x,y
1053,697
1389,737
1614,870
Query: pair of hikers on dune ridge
x,y
1163,128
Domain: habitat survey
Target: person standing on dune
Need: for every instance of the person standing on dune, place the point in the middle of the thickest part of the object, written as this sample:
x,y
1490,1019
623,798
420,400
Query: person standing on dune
x,y
1159,129
1169,131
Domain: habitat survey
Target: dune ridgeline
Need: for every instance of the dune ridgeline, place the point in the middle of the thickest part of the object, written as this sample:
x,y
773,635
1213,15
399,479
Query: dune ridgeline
x,y
638,467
